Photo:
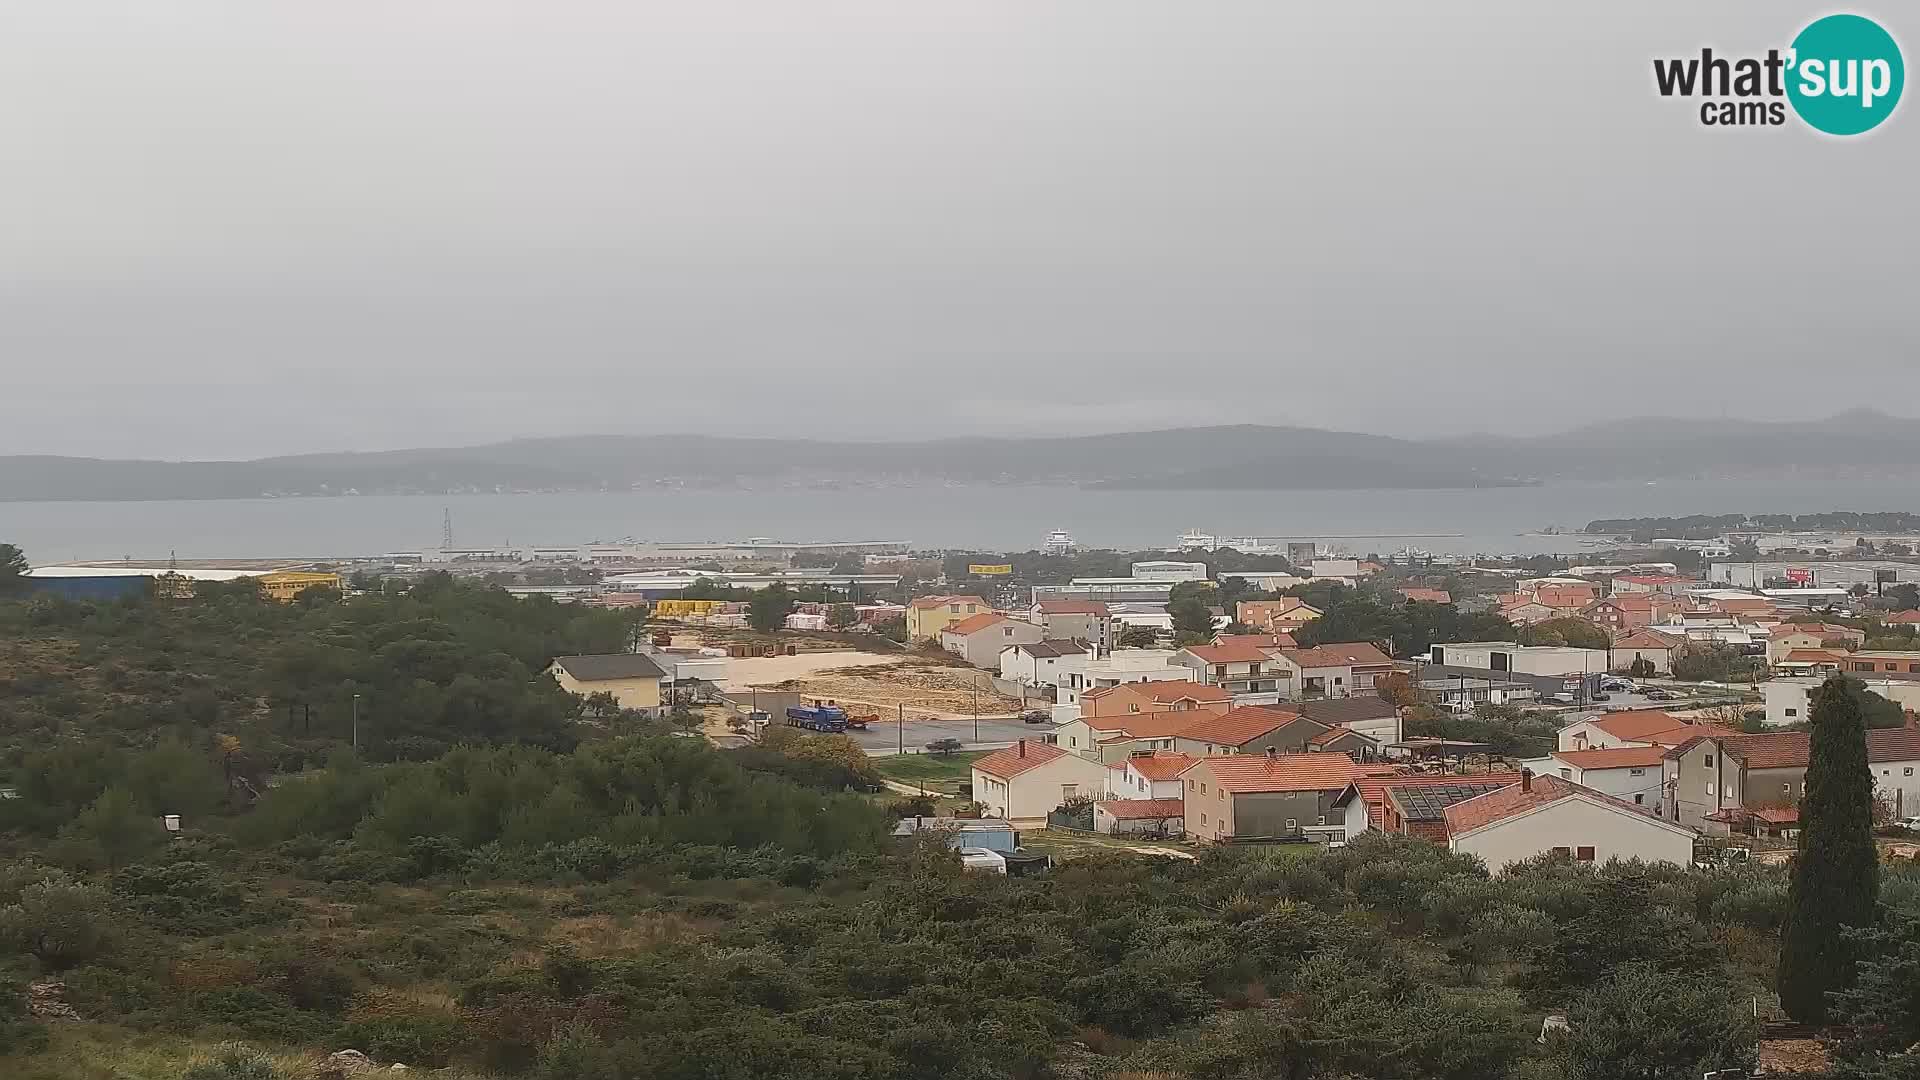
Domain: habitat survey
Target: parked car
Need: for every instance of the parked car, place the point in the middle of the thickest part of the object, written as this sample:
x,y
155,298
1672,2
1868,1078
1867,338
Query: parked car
x,y
1560,699
1601,695
1911,824
1035,716
1657,694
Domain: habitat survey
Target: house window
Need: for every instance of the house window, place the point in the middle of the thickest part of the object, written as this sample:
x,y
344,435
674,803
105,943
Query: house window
x,y
1203,787
1203,817
1321,820
1908,771
1585,854
1709,761
1709,787
1566,774
1786,789
1636,772
1338,681
1562,851
1793,712
953,609
1068,791
1133,708
1293,824
1073,740
1640,800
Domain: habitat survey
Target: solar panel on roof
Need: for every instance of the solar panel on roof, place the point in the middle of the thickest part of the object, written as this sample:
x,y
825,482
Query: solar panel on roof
x,y
1428,802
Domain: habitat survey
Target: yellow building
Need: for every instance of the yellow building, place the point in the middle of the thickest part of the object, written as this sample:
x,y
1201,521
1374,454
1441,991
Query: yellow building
x,y
632,679
929,615
680,609
286,586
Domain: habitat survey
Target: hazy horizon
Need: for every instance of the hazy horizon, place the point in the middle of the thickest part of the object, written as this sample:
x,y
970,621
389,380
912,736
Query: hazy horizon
x,y
233,230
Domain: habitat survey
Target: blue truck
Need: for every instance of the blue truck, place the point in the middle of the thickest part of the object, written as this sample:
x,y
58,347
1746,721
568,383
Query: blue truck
x,y
817,717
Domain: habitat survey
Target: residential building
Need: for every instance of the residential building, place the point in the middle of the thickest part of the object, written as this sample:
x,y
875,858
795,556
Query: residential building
x,y
1030,779
1153,696
1711,774
1262,641
1338,669
1251,730
1868,662
1643,644
928,615
1545,814
1411,804
1629,611
1526,612
1088,620
632,679
1268,795
1370,715
1119,668
1790,699
1154,818
1251,673
1787,637
1282,616
1147,774
1815,662
1631,774
1425,596
1112,739
1336,569
1044,663
1633,727
979,639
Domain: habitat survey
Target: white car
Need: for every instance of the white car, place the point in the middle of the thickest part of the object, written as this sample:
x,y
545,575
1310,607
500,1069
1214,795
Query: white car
x,y
1911,824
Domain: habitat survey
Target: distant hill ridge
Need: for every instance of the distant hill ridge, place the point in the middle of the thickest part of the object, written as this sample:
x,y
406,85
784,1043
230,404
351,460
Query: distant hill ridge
x,y
1239,457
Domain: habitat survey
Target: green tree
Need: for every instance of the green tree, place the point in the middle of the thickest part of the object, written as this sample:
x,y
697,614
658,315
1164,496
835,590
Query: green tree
x,y
1836,870
1641,668
1137,637
13,570
841,616
1905,596
1575,632
61,923
1189,604
769,608
233,1061
1648,1024
110,833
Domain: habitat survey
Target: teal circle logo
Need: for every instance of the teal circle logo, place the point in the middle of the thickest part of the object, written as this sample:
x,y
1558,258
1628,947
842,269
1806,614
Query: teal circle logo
x,y
1845,74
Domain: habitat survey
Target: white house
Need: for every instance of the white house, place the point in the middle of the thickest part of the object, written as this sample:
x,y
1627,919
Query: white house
x,y
1644,644
1628,773
1789,700
1119,667
1043,663
978,640
1545,814
1524,659
1168,570
1029,779
1633,727
1154,774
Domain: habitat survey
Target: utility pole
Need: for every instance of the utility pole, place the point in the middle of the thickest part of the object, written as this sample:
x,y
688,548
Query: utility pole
x,y
356,721
976,710
900,728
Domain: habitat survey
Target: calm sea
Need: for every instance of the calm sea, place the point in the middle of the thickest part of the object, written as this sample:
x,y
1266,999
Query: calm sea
x,y
1481,521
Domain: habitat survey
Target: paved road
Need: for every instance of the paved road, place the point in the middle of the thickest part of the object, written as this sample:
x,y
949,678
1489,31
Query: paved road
x,y
993,732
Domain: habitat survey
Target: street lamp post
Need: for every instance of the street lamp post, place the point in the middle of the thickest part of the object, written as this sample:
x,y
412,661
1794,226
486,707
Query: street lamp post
x,y
356,721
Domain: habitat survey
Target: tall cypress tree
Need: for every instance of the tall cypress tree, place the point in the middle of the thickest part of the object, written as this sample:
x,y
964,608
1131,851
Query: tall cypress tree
x,y
1836,872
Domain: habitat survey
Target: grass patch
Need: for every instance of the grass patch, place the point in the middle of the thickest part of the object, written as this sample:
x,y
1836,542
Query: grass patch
x,y
945,773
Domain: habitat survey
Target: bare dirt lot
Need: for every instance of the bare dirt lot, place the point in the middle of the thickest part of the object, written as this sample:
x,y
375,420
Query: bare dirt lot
x,y
927,688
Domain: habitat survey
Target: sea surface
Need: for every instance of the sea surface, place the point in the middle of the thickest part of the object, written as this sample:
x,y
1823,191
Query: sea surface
x,y
1482,521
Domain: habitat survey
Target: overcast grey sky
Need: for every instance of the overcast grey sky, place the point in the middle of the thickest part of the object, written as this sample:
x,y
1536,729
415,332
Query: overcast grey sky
x,y
264,226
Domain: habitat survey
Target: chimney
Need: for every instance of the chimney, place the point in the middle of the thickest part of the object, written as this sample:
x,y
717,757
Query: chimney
x,y
1023,748
1526,779
1272,754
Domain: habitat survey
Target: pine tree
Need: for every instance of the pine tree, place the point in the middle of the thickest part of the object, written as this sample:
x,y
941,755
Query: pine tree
x,y
1836,872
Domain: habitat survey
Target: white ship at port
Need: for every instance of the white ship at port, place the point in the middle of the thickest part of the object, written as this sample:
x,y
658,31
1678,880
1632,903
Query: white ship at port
x,y
1058,542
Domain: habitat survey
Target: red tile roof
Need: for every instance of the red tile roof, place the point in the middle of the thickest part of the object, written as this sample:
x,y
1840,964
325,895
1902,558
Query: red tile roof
x,y
1901,617
1654,726
1268,641
1334,735
1338,654
1018,758
1626,757
1812,656
1161,764
1646,639
1894,744
1431,596
1166,691
1777,815
975,623
1245,774
1514,799
1146,725
1134,809
1240,726
1769,750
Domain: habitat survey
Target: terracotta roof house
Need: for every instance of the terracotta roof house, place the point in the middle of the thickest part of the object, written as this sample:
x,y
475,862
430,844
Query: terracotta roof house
x,y
1547,815
1148,774
1285,615
1265,641
1029,779
928,615
1427,596
1338,669
1370,715
1169,694
979,639
1157,818
1643,644
1903,618
1633,727
1365,803
1713,773
1255,796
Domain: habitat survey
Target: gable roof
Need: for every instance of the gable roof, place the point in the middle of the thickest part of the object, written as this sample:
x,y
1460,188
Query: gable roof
x,y
1625,757
1337,654
1335,734
1144,725
1428,799
1237,727
1893,744
1431,596
1010,762
1134,809
1652,726
973,624
1266,641
1168,691
1055,647
1070,607
1372,790
601,667
1247,774
1520,798
1346,710
1159,765
1904,617
1812,656
1645,639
